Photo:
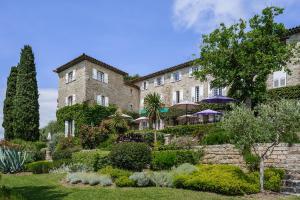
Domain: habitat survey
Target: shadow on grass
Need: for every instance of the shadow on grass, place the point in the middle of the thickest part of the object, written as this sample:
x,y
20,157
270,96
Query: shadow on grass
x,y
40,192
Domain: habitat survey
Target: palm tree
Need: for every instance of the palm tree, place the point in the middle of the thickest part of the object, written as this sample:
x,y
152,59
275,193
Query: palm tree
x,y
153,104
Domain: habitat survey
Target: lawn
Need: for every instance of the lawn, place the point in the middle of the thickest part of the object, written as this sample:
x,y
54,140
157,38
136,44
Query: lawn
x,y
48,186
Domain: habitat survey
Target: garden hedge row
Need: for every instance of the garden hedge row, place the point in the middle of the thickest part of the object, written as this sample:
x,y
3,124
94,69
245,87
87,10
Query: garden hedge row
x,y
93,159
290,92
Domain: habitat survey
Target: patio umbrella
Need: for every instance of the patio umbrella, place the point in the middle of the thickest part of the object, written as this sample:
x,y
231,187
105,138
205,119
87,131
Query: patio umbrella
x,y
122,115
218,99
187,105
186,116
141,119
208,112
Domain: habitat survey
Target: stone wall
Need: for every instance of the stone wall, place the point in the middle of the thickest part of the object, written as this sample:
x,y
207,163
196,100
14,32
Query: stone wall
x,y
283,156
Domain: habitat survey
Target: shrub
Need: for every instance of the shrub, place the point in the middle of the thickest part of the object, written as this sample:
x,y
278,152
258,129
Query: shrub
x,y
223,179
185,168
65,153
124,181
161,179
184,142
88,178
252,161
69,168
141,179
90,137
131,156
167,159
290,92
95,159
114,172
146,136
108,143
273,179
11,160
39,167
67,143
217,137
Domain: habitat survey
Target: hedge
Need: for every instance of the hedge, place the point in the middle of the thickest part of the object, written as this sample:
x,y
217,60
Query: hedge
x,y
289,92
94,159
83,114
40,167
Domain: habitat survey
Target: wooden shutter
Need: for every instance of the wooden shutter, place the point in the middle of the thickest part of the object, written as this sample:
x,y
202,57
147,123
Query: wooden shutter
x,y
94,73
73,128
105,78
106,101
155,82
74,75
66,128
172,78
190,72
181,95
147,83
174,98
74,99
193,99
201,91
163,80
180,75
66,78
66,101
98,99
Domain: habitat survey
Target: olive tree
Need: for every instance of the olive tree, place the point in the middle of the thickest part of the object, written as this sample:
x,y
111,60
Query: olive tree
x,y
268,124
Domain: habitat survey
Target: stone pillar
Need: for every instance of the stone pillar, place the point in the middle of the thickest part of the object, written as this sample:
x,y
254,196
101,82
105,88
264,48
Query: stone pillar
x,y
167,139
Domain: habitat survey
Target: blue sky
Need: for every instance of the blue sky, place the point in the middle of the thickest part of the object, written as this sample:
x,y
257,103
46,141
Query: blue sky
x,y
137,36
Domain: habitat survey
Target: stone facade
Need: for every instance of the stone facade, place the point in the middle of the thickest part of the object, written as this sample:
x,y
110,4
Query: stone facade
x,y
294,78
283,156
85,88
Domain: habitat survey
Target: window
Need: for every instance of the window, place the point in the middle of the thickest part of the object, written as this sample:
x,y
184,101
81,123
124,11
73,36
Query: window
x,y
130,107
69,128
102,100
217,91
192,70
279,79
197,92
177,96
144,124
100,76
176,76
70,100
145,85
70,77
159,81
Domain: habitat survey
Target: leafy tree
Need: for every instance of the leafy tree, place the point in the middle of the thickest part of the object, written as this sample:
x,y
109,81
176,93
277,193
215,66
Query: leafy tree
x,y
52,127
8,107
118,124
268,124
153,104
26,105
241,57
129,78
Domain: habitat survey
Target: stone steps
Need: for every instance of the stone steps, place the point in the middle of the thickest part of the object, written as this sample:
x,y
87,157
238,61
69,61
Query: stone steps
x,y
291,184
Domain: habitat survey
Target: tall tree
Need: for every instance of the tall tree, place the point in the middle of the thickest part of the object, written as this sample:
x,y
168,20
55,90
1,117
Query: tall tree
x,y
242,57
8,107
153,104
26,105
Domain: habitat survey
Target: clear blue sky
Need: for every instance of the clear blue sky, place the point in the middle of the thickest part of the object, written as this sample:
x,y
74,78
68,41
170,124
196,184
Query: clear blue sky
x,y
137,36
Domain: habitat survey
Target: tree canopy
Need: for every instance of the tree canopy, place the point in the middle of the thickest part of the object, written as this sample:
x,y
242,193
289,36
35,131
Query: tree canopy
x,y
241,56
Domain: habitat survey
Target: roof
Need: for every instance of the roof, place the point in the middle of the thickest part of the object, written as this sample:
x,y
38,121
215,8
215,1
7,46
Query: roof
x,y
90,59
294,30
167,70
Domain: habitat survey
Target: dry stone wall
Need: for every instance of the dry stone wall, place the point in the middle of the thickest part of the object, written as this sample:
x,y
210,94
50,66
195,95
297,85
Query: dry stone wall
x,y
283,156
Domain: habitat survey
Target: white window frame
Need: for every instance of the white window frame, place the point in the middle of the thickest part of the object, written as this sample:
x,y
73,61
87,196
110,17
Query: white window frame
x,y
278,76
100,76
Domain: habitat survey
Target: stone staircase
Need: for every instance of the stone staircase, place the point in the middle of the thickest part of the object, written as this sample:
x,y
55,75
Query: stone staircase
x,y
291,181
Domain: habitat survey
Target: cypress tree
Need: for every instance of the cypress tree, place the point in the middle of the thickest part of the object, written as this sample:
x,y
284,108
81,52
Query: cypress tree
x,y
26,105
8,104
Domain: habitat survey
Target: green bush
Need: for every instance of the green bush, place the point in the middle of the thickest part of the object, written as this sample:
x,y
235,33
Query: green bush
x,y
252,161
64,154
115,173
167,159
124,181
217,137
91,137
223,179
40,167
273,179
130,155
290,92
146,136
66,146
95,159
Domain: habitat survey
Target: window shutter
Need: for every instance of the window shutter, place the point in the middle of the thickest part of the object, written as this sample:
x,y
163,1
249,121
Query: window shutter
x,y
66,78
179,75
98,99
172,78
209,90
106,101
142,103
74,99
66,101
190,72
74,75
147,83
66,128
73,128
94,73
193,94
155,82
181,95
201,91
224,91
142,86
105,78
162,80
174,98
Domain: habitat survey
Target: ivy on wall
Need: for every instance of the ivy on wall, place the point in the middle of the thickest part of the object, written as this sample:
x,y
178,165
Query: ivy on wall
x,y
83,114
290,92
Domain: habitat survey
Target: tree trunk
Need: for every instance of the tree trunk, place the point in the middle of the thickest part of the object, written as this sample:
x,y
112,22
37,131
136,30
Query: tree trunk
x,y
155,139
261,174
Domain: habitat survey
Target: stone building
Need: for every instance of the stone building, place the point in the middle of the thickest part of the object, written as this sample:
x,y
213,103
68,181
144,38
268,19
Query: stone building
x,y
86,79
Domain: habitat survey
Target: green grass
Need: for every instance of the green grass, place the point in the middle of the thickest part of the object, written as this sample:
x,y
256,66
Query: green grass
x,y
49,187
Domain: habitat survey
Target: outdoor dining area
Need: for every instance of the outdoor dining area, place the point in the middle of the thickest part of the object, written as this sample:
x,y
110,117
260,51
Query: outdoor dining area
x,y
190,116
